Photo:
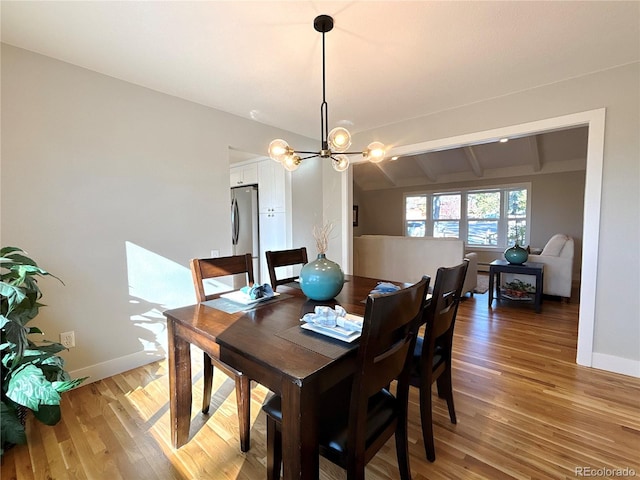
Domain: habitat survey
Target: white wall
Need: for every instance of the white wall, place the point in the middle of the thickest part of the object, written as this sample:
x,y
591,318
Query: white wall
x,y
616,342
113,188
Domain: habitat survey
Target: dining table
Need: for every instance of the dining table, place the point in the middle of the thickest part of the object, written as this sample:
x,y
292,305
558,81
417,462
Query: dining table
x,y
265,341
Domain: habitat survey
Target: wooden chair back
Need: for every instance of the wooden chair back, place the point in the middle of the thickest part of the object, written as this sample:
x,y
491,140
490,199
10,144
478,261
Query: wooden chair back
x,y
205,268
201,270
284,258
440,315
388,336
431,358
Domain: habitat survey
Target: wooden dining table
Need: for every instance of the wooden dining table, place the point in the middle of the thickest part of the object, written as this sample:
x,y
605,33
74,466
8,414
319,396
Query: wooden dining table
x,y
265,342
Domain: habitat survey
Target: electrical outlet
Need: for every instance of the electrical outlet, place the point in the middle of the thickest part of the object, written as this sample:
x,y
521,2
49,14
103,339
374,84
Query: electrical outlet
x,y
68,339
215,253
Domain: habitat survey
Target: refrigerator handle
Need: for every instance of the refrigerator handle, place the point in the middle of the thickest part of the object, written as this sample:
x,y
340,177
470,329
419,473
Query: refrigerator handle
x,y
235,222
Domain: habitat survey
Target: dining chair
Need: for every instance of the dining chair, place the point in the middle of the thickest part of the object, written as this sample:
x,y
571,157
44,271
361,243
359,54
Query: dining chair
x,y
431,360
359,415
201,270
284,258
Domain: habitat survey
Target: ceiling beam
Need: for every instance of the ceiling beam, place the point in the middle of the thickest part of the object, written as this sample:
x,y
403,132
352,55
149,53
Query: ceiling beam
x,y
385,171
472,159
534,148
425,166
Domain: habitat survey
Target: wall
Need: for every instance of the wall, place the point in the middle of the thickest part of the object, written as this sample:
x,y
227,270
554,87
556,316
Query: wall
x,y
617,324
113,188
556,207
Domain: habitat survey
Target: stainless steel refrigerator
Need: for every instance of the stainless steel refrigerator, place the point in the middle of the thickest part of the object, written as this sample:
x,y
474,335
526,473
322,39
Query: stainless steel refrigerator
x,y
244,224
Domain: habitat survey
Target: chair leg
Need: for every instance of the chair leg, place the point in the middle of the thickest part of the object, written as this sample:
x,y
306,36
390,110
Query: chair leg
x,y
402,450
243,398
274,449
427,421
445,390
208,382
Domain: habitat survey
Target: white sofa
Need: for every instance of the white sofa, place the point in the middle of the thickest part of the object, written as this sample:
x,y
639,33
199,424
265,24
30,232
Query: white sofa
x,y
557,257
407,259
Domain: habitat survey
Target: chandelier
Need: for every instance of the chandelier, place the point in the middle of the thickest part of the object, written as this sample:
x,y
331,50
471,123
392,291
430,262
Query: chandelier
x,y
334,144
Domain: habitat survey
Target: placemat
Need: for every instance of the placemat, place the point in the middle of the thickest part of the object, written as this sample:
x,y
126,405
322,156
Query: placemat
x,y
316,342
228,306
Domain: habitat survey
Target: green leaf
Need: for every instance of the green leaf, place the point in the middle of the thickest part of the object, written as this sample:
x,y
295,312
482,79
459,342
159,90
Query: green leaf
x,y
4,251
68,385
48,414
29,387
12,430
20,259
16,334
14,294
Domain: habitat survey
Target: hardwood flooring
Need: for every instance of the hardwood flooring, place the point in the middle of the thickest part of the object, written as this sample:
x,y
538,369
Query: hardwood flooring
x,y
525,411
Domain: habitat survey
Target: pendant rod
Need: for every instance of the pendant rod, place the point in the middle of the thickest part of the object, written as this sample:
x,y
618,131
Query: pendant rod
x,y
324,108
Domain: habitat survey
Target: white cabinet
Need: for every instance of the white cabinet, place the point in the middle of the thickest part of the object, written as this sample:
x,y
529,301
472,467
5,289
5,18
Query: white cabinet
x,y
272,185
273,236
243,175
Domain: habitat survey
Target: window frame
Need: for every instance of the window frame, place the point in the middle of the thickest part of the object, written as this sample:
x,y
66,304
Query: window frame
x,y
503,220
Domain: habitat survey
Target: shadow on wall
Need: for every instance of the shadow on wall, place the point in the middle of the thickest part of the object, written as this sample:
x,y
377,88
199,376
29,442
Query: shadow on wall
x,y
157,284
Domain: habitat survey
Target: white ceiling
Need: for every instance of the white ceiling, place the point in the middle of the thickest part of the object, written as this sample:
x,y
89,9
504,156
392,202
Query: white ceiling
x,y
387,61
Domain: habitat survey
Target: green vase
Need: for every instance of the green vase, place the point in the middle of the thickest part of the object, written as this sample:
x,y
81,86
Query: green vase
x,y
321,279
516,255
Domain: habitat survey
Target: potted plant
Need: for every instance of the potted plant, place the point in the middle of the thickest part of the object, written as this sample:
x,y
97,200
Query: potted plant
x,y
33,376
517,289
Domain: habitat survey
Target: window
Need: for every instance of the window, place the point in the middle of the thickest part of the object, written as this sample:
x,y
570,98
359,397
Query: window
x,y
446,215
488,217
416,215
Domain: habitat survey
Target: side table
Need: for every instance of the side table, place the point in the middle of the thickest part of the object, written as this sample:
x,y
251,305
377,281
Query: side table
x,y
529,268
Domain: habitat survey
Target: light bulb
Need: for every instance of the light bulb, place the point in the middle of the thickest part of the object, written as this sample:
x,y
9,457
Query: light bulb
x,y
291,162
375,152
278,150
340,162
339,139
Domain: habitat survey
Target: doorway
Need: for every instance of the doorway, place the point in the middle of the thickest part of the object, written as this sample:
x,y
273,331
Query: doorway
x,y
595,121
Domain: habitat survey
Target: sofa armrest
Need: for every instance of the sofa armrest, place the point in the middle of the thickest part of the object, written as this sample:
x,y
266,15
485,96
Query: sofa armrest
x,y
471,280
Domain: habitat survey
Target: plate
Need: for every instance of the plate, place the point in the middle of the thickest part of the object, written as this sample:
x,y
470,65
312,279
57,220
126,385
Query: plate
x,y
244,298
338,333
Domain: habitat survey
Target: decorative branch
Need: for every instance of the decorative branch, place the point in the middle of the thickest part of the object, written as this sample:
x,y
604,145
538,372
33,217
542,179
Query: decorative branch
x,y
321,234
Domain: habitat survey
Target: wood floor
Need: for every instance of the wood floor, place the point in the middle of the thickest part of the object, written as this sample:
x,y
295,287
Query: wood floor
x,y
525,411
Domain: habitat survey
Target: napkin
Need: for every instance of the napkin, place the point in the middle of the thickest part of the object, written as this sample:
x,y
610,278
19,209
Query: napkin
x,y
385,287
329,317
258,291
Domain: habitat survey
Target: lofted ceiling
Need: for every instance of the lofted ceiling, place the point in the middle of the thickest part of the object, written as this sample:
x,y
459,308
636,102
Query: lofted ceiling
x,y
549,152
387,61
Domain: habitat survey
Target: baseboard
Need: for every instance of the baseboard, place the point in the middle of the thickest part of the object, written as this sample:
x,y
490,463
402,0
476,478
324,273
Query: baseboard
x,y
615,364
115,366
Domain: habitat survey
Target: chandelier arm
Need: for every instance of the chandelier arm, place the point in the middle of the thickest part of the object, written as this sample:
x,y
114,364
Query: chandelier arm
x,y
315,154
305,152
352,153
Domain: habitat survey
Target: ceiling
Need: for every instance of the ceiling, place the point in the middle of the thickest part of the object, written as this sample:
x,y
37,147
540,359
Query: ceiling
x,y
549,152
387,61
